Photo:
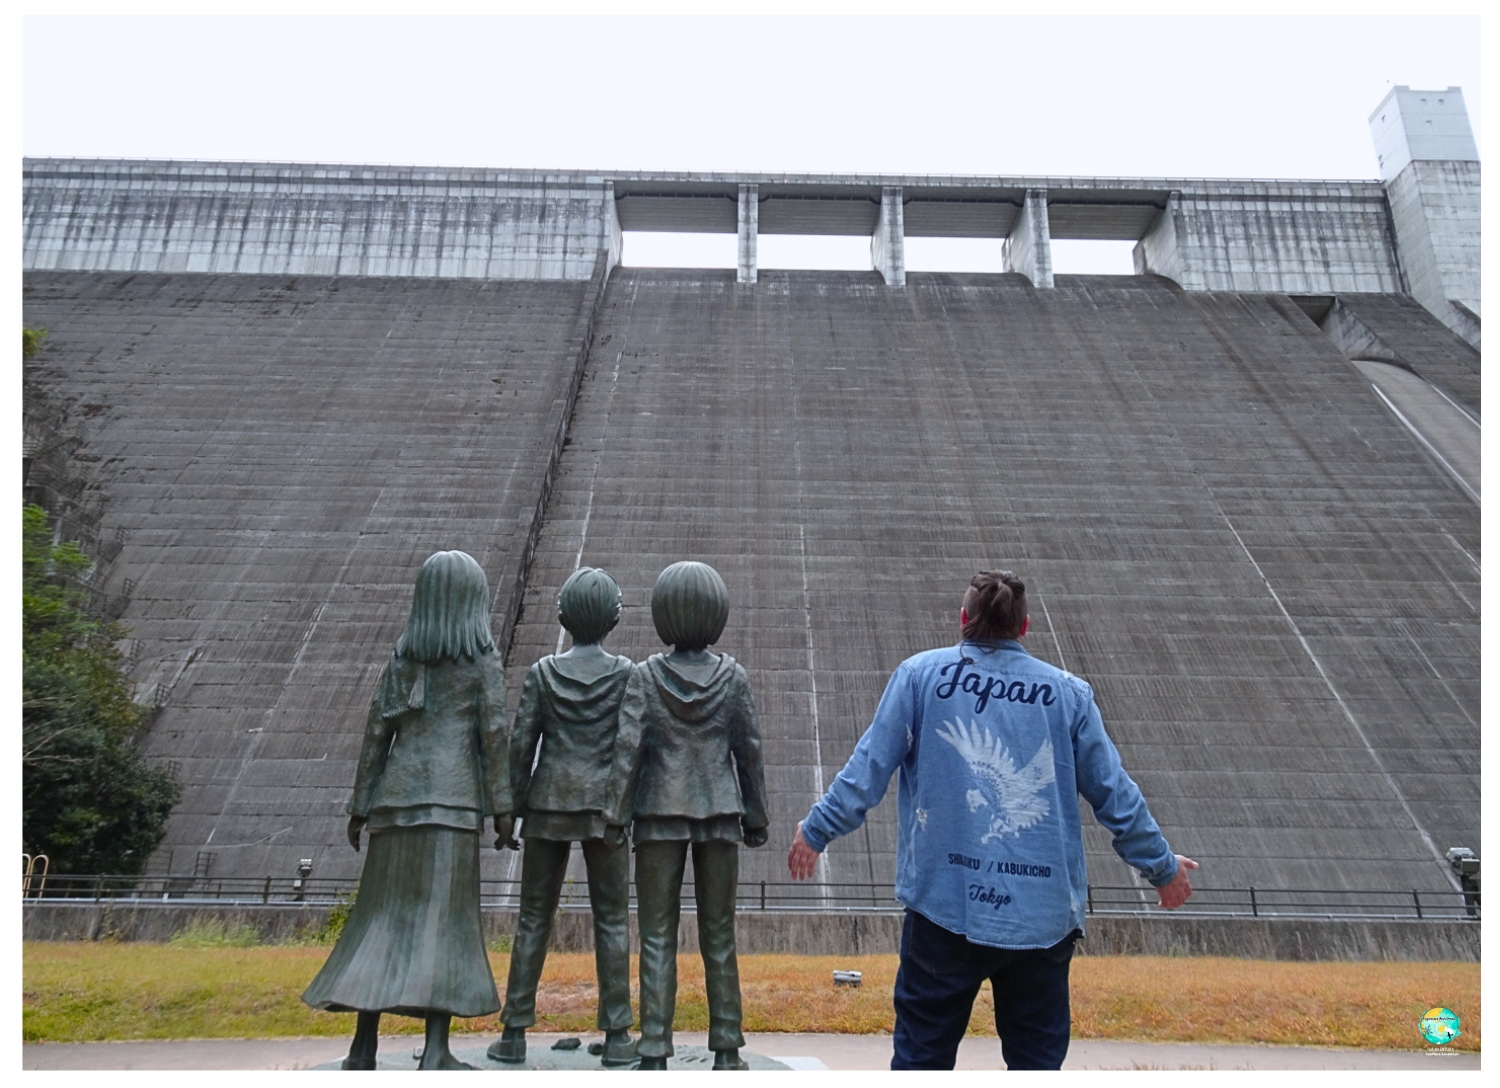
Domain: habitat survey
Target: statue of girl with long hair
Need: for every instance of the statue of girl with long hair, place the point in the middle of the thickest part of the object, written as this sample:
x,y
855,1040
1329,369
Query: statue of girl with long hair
x,y
434,763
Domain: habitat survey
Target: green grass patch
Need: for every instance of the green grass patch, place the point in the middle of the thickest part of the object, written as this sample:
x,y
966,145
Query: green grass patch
x,y
194,987
96,991
210,932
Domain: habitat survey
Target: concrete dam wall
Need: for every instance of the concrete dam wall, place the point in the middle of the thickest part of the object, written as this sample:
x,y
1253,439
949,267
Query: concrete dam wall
x,y
1272,587
1272,591
281,454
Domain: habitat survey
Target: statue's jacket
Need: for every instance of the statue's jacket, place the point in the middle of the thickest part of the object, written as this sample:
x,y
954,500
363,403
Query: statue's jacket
x,y
436,746
572,708
700,751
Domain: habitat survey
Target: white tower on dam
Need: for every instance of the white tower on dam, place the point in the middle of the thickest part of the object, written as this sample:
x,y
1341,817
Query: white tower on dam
x,y
1431,171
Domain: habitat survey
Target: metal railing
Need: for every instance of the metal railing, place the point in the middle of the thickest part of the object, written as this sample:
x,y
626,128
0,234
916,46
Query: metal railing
x,y
1437,905
34,869
1409,904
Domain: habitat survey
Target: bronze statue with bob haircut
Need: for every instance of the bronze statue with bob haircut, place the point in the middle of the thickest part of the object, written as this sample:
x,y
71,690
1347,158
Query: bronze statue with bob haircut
x,y
570,707
433,764
700,787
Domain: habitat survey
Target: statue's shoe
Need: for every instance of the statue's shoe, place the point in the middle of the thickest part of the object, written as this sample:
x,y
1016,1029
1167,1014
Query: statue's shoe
x,y
729,1059
510,1047
653,1063
619,1049
447,1061
357,1063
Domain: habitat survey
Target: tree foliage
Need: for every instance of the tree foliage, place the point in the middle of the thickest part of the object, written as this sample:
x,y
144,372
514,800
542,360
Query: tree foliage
x,y
90,802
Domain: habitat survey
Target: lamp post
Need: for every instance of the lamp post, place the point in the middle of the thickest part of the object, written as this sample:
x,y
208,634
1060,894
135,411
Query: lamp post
x,y
1466,864
304,870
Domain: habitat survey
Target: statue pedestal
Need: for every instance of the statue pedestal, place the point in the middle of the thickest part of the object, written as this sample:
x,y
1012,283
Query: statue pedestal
x,y
397,1053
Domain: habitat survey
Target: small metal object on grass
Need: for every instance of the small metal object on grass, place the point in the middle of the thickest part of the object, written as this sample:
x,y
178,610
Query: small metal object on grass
x,y
848,978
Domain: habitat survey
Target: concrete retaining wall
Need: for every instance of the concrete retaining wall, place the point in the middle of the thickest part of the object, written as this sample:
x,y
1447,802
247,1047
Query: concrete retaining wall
x,y
847,934
323,220
1329,241
129,216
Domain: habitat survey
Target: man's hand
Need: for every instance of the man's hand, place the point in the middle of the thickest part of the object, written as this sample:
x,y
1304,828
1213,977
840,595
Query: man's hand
x,y
754,836
505,837
1175,892
614,836
356,825
801,859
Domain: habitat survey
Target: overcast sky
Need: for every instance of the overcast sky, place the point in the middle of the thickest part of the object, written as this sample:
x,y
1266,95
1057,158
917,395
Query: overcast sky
x,y
1170,96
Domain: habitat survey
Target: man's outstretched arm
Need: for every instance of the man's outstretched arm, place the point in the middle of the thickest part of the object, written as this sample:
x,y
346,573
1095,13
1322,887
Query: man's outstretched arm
x,y
862,783
801,859
1175,892
1120,808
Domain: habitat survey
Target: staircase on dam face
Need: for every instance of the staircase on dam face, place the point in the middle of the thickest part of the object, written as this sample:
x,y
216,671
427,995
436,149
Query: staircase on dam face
x,y
1272,589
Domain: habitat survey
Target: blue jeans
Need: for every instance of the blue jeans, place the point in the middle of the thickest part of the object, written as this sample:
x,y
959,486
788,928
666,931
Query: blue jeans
x,y
939,977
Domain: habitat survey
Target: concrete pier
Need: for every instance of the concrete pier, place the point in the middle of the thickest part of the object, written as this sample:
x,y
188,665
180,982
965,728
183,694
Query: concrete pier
x,y
888,242
1028,248
749,232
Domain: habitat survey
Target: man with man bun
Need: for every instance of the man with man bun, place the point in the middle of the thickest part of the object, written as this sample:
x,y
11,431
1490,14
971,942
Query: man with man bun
x,y
577,793
993,748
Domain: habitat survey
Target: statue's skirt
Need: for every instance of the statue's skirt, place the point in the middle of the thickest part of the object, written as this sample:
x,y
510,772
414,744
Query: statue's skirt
x,y
413,943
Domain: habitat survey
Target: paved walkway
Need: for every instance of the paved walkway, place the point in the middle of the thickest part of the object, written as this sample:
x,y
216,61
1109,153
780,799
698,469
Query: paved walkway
x,y
796,1051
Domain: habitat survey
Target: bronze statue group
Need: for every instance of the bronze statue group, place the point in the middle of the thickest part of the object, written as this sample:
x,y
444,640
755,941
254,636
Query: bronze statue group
x,y
665,753
992,747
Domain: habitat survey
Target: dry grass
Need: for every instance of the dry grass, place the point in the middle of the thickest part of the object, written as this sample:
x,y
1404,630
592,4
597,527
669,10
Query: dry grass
x,y
76,992
1163,999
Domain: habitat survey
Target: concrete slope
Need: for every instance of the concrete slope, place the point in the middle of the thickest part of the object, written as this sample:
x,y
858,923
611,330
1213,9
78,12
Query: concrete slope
x,y
284,452
1271,587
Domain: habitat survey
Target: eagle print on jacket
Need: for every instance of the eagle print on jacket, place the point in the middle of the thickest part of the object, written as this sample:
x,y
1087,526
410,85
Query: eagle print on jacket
x,y
1015,798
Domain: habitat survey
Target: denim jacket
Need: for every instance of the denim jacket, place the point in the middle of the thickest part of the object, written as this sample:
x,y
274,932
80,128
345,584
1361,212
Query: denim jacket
x,y
993,747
